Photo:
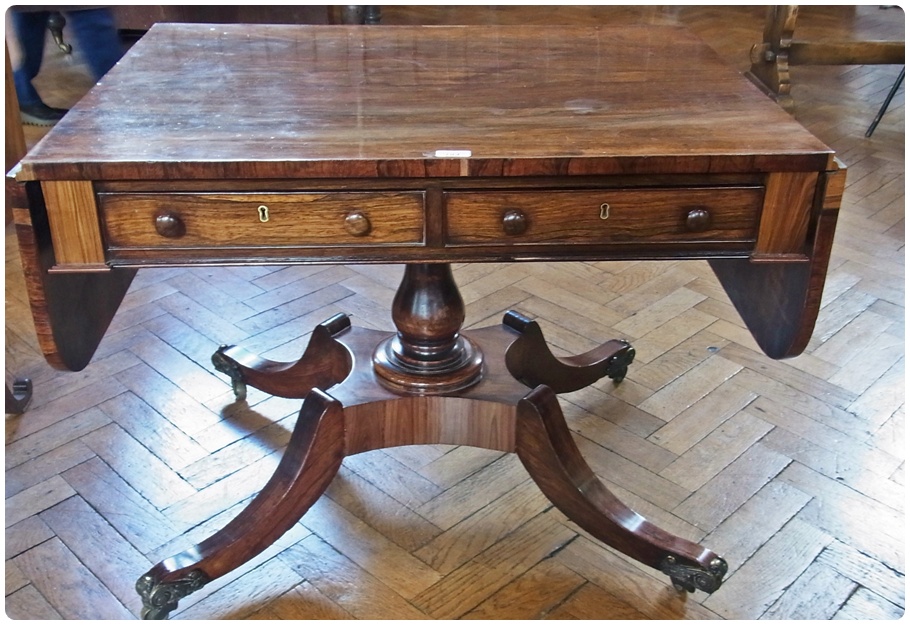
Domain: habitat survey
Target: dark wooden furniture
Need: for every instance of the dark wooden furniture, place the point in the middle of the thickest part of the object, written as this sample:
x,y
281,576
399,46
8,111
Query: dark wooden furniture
x,y
425,146
778,51
18,390
139,18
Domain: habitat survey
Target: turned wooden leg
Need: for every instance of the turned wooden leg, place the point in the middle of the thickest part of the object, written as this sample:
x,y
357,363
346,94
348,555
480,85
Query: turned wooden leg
x,y
532,363
311,460
546,448
325,363
428,355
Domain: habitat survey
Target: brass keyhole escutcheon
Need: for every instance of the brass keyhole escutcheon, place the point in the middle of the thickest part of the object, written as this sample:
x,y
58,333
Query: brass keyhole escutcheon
x,y
604,211
263,213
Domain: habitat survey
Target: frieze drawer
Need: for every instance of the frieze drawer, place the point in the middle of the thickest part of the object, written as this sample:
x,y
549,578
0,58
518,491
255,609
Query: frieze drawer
x,y
610,216
244,220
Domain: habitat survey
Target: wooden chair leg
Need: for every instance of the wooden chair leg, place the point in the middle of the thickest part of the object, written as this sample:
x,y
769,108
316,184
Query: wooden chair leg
x,y
546,448
309,464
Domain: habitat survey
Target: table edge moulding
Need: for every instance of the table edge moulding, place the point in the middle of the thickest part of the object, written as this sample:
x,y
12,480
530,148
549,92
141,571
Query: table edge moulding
x,y
425,146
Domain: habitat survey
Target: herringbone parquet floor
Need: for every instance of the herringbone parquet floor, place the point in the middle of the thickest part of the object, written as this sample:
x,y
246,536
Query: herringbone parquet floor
x,y
793,470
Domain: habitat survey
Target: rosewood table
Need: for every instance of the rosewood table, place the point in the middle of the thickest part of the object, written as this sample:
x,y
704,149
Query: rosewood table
x,y
238,144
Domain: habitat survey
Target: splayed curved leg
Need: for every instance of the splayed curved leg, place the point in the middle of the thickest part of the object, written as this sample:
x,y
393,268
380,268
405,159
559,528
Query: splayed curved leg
x,y
546,448
532,363
311,460
324,363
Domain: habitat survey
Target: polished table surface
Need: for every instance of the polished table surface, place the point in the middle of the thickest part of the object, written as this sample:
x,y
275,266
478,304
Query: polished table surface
x,y
242,101
239,144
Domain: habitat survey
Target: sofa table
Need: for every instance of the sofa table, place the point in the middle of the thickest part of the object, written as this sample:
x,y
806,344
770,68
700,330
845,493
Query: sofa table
x,y
240,144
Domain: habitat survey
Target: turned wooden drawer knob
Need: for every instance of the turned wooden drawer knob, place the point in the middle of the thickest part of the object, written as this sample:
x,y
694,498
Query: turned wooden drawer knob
x,y
698,220
169,225
358,224
514,222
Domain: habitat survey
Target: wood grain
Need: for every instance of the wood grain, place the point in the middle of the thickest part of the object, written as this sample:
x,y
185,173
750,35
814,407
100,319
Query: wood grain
x,y
785,215
618,216
292,219
323,124
74,224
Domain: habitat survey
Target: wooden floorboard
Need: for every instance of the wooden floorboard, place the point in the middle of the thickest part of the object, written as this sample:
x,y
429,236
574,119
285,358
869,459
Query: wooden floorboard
x,y
793,470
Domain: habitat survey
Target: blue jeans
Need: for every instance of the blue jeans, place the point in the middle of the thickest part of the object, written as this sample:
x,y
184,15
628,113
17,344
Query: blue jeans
x,y
96,37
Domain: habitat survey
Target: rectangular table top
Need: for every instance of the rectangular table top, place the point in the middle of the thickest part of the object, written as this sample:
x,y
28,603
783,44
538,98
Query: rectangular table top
x,y
281,101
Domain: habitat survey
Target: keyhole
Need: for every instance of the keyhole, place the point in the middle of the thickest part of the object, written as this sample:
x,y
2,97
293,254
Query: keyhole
x,y
263,213
604,211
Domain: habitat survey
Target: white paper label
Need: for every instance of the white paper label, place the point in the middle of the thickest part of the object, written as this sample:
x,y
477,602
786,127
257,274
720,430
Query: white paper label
x,y
452,154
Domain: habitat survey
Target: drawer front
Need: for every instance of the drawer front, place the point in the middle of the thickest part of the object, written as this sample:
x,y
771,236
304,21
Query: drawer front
x,y
609,216
250,220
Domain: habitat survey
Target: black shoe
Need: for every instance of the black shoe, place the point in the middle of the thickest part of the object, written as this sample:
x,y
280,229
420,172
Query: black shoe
x,y
41,114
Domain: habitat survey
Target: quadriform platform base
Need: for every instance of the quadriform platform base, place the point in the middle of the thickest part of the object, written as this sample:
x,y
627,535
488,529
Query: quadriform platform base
x,y
429,383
